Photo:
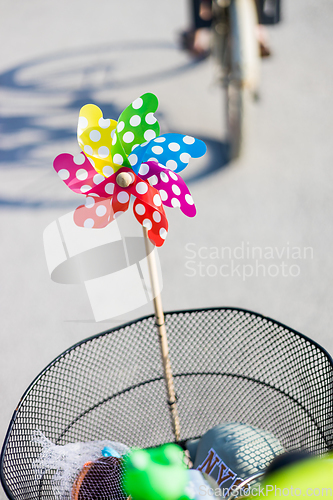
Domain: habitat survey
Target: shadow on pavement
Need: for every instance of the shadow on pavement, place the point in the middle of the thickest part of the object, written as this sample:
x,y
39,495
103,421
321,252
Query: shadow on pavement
x,y
219,157
42,94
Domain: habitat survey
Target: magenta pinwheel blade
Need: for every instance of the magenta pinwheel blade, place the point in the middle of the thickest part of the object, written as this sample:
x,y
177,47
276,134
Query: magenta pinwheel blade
x,y
77,172
172,188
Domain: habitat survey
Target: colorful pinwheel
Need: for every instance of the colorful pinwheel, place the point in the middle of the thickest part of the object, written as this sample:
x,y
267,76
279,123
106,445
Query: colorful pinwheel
x,y
125,159
129,158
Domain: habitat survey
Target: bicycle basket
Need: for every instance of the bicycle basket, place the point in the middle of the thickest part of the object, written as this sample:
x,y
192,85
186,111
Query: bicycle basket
x,y
228,364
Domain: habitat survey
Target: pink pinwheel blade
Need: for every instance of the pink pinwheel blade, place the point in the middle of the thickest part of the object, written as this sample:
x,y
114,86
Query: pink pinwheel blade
x,y
95,213
77,172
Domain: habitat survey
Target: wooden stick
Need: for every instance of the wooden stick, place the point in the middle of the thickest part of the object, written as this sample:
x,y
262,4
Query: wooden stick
x,y
159,315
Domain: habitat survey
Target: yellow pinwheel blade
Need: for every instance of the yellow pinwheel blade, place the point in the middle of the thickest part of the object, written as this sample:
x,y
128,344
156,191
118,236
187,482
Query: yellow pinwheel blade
x,y
95,135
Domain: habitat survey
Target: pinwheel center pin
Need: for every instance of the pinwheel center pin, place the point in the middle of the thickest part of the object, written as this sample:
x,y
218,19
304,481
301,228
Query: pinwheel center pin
x,y
124,179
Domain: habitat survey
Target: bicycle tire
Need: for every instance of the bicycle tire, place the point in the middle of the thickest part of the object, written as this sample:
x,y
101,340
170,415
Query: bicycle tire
x,y
237,51
244,71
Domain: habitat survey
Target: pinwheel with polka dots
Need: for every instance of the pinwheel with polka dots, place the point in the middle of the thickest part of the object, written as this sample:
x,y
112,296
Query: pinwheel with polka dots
x,y
125,159
129,158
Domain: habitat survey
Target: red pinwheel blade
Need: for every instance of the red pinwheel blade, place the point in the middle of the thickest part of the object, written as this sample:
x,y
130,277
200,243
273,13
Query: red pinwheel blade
x,y
120,201
154,219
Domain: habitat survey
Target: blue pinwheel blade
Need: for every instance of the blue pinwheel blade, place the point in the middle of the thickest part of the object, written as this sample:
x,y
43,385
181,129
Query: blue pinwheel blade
x,y
171,150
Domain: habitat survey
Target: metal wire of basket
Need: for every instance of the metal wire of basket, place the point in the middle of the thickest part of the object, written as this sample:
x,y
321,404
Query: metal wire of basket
x,y
228,364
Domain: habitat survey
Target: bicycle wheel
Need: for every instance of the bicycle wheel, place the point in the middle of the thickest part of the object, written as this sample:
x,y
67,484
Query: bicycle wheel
x,y
237,51
244,70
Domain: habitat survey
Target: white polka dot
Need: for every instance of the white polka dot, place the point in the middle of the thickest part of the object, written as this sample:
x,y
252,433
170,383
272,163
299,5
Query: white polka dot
x,y
143,144
81,174
103,152
104,123
92,161
123,197
149,135
159,139
90,202
153,180
98,178
120,126
79,159
114,139
173,146
118,159
184,157
113,133
128,137
107,170
141,187
85,188
157,150
163,194
157,200
63,174
175,203
140,209
117,214
135,120
133,159
95,135
163,233
144,169
135,146
83,122
89,223
137,103
150,119
157,216
88,149
173,176
109,188
189,199
176,189
101,210
164,177
172,164
162,166
188,139
147,223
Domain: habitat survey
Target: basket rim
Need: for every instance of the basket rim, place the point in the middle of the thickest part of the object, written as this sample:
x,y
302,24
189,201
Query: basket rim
x,y
117,328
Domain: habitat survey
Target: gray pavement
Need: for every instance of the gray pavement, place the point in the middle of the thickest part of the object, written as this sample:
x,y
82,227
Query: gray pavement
x,y
57,56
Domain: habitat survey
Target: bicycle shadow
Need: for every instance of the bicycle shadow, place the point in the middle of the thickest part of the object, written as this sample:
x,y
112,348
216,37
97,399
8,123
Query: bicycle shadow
x,y
59,85
218,158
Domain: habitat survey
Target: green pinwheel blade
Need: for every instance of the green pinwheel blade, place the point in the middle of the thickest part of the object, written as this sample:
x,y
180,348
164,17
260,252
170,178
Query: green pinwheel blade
x,y
137,123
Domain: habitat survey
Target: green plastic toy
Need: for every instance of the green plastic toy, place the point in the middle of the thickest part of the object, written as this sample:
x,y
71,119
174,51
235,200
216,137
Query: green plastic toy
x,y
156,474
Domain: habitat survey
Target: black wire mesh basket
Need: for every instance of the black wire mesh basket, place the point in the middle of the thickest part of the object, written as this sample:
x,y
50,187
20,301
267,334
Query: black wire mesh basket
x,y
228,364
